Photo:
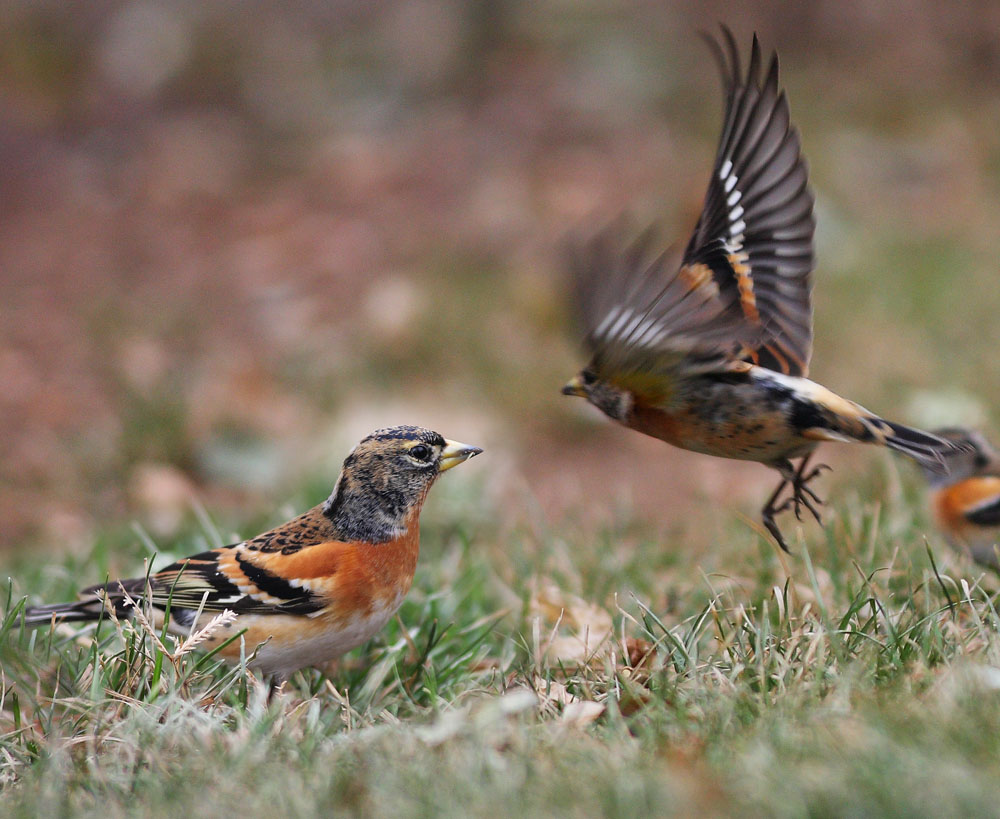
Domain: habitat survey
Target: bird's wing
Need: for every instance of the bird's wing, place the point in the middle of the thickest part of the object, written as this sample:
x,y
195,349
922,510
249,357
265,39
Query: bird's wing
x,y
739,293
755,232
263,575
235,578
646,314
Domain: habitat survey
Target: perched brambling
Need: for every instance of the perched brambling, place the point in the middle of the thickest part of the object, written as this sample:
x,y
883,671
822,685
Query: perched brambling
x,y
966,501
315,587
710,351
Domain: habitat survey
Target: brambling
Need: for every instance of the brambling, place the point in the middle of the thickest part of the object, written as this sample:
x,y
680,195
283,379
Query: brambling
x,y
709,350
966,501
313,588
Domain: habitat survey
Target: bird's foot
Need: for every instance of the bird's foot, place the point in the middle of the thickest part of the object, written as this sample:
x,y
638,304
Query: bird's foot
x,y
767,517
802,496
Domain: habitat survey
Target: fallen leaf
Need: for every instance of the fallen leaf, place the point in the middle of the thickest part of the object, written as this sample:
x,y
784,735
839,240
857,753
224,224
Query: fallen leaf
x,y
581,713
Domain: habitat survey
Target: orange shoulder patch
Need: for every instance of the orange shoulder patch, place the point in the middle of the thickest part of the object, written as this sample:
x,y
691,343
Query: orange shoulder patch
x,y
697,276
954,502
744,281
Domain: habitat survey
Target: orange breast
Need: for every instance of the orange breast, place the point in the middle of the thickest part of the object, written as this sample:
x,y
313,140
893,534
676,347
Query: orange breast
x,y
373,575
953,503
667,426
363,584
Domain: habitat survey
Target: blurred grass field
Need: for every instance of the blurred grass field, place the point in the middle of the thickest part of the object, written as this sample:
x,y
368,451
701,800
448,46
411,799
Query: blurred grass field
x,y
231,244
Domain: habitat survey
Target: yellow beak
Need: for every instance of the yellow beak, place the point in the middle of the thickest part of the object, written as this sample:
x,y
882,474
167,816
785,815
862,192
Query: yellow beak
x,y
455,453
574,387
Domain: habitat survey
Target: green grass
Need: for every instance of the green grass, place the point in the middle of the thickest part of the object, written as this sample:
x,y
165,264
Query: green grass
x,y
570,672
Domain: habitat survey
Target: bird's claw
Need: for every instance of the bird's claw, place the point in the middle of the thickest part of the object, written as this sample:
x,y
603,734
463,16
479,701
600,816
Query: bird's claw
x,y
802,496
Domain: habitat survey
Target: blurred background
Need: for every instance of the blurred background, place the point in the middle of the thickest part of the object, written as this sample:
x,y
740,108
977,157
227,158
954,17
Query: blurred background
x,y
235,238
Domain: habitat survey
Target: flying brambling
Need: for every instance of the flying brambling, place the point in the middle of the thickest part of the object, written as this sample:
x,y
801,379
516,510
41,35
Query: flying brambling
x,y
966,501
313,588
710,351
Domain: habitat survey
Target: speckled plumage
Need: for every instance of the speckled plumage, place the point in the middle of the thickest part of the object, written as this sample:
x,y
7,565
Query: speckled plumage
x,y
710,352
310,589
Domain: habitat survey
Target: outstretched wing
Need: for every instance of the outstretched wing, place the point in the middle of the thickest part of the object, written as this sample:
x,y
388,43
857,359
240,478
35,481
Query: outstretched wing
x,y
740,291
644,312
756,227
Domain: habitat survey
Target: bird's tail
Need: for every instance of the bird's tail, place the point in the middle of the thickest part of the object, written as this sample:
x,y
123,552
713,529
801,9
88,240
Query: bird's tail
x,y
930,451
81,611
88,609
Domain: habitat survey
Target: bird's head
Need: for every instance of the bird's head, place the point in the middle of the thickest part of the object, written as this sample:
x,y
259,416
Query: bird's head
x,y
612,400
386,478
973,456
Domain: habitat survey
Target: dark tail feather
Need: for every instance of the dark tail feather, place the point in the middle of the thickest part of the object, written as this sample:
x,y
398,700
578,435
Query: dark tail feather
x,y
930,451
90,609
83,611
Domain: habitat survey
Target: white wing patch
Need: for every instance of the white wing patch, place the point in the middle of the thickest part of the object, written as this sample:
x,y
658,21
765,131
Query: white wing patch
x,y
629,325
737,226
233,598
727,177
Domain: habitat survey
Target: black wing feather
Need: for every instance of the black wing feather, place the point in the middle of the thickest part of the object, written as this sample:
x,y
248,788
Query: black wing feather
x,y
759,205
741,289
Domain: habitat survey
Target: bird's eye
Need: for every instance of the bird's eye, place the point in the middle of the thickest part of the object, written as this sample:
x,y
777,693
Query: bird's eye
x,y
421,452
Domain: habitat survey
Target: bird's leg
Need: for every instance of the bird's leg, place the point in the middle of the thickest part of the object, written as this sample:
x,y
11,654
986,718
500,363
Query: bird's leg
x,y
771,509
802,494
275,686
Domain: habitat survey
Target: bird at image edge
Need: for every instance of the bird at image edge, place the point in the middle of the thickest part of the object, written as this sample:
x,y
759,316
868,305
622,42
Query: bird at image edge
x,y
313,588
709,349
966,501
